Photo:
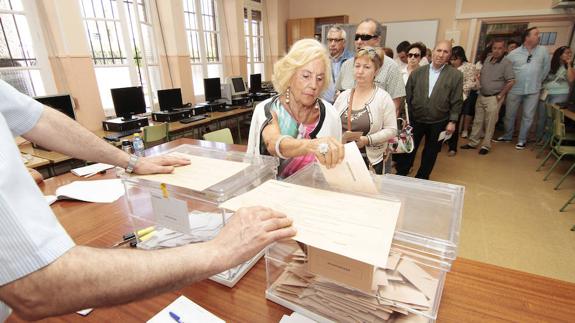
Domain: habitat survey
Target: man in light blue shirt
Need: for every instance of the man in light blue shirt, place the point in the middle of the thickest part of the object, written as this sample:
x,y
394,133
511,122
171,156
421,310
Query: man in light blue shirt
x,y
531,64
338,54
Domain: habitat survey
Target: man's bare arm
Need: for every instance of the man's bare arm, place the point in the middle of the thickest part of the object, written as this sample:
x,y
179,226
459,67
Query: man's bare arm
x,y
90,277
57,132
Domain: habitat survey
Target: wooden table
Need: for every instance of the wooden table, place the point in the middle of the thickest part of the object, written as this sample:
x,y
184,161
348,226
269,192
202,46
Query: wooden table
x,y
566,112
474,291
41,155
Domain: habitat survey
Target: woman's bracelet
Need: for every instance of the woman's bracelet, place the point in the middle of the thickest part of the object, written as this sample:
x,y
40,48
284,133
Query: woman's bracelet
x,y
278,142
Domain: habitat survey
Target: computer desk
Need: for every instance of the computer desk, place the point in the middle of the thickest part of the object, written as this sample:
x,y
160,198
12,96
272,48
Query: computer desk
x,y
178,129
474,291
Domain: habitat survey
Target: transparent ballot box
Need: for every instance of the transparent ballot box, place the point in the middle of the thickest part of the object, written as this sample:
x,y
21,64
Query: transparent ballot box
x,y
409,288
184,207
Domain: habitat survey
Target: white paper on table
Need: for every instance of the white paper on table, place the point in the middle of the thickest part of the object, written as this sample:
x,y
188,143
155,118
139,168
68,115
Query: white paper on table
x,y
444,136
353,226
202,173
187,310
351,174
99,191
90,169
295,317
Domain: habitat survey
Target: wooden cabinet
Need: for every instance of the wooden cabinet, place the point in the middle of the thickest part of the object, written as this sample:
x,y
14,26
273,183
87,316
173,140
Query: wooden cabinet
x,y
310,27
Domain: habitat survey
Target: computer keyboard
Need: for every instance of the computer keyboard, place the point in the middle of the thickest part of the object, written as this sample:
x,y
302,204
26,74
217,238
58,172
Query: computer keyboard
x,y
116,136
194,118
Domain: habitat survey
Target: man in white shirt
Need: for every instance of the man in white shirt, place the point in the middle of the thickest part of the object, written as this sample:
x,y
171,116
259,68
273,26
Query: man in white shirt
x,y
401,50
42,272
338,54
368,33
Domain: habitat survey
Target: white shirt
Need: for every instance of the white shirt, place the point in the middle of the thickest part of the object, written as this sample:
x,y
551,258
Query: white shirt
x,y
433,77
30,235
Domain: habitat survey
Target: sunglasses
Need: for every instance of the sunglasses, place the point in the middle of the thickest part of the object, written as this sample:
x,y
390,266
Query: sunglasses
x,y
529,58
416,55
364,37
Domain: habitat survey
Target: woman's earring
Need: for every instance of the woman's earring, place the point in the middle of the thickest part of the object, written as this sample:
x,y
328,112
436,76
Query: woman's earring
x,y
287,95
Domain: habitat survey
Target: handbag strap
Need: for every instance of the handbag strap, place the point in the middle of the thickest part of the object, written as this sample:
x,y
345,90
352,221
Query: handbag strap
x,y
350,104
406,113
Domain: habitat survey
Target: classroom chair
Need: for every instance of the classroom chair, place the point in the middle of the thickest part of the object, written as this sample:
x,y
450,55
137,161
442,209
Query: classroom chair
x,y
222,135
558,148
155,135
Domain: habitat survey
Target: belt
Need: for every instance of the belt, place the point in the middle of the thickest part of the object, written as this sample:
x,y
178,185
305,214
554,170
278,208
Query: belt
x,y
486,96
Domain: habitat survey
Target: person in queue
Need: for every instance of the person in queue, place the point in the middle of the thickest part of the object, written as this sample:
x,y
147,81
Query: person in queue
x,y
368,109
43,272
296,125
415,52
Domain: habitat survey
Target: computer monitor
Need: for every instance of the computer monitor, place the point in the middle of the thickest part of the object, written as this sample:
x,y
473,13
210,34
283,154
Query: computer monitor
x,y
170,99
212,90
62,103
238,86
128,101
255,83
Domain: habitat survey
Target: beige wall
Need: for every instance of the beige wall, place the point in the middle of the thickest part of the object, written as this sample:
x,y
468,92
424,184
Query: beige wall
x,y
462,16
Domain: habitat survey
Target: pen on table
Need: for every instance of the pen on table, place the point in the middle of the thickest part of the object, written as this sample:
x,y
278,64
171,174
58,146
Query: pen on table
x,y
133,236
176,317
94,173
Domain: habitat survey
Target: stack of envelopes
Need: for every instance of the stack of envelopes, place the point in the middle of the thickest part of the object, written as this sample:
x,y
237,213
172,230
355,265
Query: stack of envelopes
x,y
403,284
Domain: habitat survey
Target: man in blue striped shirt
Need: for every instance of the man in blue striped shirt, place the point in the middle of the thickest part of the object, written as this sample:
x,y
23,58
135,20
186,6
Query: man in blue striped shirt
x,y
531,63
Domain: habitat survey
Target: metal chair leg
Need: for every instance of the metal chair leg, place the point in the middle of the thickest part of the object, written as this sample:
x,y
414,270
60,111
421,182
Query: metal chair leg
x,y
564,176
544,160
568,202
553,167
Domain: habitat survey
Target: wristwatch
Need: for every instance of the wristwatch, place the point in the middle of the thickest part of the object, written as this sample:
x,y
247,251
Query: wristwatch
x,y
132,163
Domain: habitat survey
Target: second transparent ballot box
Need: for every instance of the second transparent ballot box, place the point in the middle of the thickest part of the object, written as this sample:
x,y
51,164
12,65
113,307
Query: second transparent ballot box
x,y
423,248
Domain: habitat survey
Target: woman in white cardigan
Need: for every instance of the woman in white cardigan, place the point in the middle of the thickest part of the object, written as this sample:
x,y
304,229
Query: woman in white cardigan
x,y
367,112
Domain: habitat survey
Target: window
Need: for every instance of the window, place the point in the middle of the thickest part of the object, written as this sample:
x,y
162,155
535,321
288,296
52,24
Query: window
x,y
547,38
22,65
203,33
254,36
120,37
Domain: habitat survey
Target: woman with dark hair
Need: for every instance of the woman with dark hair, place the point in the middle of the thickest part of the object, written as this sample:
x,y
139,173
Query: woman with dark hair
x,y
415,52
470,85
556,86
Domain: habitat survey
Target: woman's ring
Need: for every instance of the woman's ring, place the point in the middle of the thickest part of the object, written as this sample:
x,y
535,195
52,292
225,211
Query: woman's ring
x,y
323,148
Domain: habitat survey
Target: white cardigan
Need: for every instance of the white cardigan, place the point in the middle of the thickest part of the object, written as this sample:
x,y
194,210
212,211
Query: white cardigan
x,y
382,120
331,126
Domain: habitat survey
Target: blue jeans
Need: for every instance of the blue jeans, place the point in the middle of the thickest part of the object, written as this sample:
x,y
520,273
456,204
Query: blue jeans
x,y
512,105
542,119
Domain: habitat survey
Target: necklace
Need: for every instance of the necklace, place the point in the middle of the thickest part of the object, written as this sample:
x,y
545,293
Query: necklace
x,y
304,110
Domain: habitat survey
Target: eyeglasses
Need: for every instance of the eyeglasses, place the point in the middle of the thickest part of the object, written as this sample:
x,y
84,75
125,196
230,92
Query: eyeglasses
x,y
529,58
335,40
416,55
364,37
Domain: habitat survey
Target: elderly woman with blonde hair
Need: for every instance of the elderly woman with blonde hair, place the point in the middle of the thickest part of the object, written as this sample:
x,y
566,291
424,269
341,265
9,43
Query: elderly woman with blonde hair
x,y
296,125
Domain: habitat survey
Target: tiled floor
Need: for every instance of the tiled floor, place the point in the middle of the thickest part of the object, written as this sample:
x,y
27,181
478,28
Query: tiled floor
x,y
511,216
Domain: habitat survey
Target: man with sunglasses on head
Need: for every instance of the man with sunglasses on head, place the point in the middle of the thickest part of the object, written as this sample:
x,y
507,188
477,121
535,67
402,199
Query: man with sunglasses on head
x,y
531,63
338,54
368,33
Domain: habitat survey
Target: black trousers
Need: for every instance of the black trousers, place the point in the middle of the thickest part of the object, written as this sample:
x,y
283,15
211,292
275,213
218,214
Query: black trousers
x,y
432,147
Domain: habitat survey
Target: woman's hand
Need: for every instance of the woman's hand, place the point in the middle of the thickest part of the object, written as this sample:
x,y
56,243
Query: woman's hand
x,y
328,151
362,142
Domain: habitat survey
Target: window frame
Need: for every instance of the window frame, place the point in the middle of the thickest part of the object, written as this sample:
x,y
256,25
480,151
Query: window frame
x,y
138,67
202,34
251,5
30,12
